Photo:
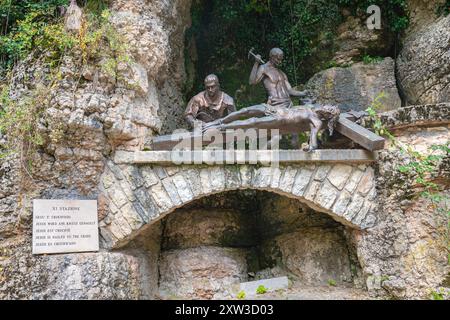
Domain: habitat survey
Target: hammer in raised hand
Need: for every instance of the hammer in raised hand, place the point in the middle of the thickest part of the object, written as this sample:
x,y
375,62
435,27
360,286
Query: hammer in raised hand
x,y
250,53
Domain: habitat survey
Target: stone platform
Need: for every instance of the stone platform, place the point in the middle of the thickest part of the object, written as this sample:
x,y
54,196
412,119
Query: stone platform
x,y
245,156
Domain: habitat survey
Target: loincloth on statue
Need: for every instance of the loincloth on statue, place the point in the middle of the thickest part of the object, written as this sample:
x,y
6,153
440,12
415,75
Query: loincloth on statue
x,y
280,102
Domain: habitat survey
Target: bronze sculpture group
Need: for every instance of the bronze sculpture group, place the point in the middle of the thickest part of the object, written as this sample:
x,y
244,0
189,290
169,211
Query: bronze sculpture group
x,y
213,109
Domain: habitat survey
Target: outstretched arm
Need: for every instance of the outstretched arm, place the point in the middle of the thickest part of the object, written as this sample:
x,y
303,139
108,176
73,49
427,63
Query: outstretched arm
x,y
293,92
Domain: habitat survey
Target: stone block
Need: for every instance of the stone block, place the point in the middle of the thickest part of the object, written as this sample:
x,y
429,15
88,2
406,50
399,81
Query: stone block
x,y
262,178
301,182
247,172
367,181
322,172
232,177
276,177
133,176
172,191
184,191
149,176
201,273
192,176
288,179
117,196
311,192
217,175
354,207
326,195
339,175
342,203
161,197
352,183
205,179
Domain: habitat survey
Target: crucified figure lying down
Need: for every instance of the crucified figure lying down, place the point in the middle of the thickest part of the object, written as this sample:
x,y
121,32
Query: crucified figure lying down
x,y
287,120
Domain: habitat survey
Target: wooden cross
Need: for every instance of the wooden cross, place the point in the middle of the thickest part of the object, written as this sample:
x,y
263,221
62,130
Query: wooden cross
x,y
345,126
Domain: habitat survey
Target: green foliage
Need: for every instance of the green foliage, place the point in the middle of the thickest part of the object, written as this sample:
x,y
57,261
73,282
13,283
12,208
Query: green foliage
x,y
372,110
18,119
48,42
444,9
437,295
331,283
261,289
367,59
241,295
99,39
27,25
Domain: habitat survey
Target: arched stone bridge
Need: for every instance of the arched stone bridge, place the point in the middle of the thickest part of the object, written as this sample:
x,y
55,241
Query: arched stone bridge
x,y
136,196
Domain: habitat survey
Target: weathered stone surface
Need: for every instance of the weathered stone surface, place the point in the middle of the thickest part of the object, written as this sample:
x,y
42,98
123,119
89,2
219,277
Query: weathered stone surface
x,y
339,175
94,276
192,176
217,175
183,188
314,255
422,13
262,178
288,179
354,207
423,65
302,181
154,33
326,195
201,273
342,202
149,176
355,40
280,215
356,87
205,179
172,191
193,228
232,177
161,197
367,182
353,181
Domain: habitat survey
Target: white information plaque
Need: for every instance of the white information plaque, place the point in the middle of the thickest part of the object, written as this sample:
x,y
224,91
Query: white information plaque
x,y
63,226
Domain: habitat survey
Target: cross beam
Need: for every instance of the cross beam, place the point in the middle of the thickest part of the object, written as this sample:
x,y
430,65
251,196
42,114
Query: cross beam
x,y
362,136
359,134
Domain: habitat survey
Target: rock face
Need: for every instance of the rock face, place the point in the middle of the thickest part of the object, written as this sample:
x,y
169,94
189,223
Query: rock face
x,y
202,273
422,13
399,242
9,178
423,66
226,228
305,244
71,276
155,33
313,255
355,40
356,87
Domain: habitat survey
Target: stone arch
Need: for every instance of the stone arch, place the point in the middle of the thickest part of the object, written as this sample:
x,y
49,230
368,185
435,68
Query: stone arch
x,y
135,196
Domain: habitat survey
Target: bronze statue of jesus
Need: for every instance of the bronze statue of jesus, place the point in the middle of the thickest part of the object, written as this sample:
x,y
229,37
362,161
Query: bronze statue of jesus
x,y
288,120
